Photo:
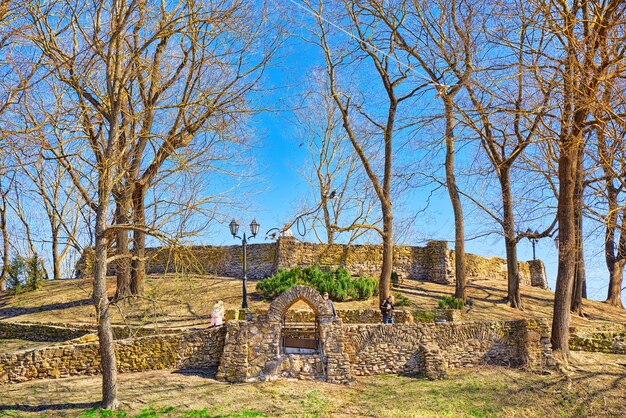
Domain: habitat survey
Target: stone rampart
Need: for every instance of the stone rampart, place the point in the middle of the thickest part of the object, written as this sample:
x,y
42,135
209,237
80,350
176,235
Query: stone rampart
x,y
198,349
434,262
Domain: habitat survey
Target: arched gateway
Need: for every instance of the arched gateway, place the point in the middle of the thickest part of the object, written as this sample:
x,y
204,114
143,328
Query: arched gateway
x,y
255,349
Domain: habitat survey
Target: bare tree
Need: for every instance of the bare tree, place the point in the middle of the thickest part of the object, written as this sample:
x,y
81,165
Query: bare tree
x,y
346,203
504,115
142,82
183,95
15,75
56,194
437,37
377,49
5,187
608,188
86,51
586,46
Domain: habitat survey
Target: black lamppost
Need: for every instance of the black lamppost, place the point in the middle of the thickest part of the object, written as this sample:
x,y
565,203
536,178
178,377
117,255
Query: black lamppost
x,y
533,240
254,229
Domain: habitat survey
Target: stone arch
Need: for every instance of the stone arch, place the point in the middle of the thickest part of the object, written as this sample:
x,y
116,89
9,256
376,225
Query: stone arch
x,y
307,294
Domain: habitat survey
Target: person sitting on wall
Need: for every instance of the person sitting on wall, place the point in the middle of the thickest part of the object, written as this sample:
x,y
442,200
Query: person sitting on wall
x,y
386,308
217,314
330,304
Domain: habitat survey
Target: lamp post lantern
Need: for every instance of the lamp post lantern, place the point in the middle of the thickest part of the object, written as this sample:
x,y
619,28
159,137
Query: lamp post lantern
x,y
254,229
533,240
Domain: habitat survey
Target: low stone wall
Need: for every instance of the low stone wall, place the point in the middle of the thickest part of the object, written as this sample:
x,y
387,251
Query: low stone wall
x,y
434,262
39,332
33,331
198,349
599,340
413,348
250,350
351,316
372,316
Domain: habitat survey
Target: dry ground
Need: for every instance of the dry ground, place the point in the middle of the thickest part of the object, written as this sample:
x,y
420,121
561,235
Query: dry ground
x,y
182,301
596,386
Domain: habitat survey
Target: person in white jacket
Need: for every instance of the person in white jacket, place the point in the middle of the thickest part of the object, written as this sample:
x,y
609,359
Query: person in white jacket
x,y
217,314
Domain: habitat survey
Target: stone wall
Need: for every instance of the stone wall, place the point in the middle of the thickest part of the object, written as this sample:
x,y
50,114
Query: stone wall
x,y
198,349
421,263
351,316
36,331
612,341
373,316
434,262
39,332
253,348
538,276
250,350
411,348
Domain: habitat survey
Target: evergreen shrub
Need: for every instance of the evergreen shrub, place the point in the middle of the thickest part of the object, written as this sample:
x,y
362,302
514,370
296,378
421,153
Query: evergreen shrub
x,y
338,283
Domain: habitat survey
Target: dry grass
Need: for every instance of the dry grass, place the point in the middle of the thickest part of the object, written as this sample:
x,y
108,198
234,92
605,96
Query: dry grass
x,y
182,301
13,345
595,387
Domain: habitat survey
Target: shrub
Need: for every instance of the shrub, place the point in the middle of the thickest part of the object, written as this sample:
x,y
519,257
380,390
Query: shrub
x,y
338,283
16,273
26,273
35,273
450,302
424,316
401,300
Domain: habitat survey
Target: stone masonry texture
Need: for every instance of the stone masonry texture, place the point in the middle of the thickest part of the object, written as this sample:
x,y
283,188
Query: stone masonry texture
x,y
252,349
198,349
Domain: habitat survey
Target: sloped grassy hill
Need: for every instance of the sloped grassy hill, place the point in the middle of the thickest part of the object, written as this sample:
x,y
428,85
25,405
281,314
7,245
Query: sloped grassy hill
x,y
183,301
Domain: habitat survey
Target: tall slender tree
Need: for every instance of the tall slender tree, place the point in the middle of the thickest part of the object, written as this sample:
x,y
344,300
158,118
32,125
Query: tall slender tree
x,y
378,50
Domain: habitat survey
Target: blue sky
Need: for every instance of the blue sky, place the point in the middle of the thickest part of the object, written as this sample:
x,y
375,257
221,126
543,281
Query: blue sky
x,y
279,190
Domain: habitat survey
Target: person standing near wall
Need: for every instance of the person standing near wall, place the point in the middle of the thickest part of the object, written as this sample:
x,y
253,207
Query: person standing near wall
x,y
386,308
217,314
330,304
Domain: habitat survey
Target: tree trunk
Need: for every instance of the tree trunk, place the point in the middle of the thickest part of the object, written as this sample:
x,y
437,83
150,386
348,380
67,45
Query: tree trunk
x,y
123,264
616,271
459,231
56,259
510,241
330,234
567,253
579,283
387,267
5,249
138,271
579,276
615,254
101,301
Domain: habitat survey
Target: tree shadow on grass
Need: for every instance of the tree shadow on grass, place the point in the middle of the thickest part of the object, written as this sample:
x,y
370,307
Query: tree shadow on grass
x,y
208,373
13,312
421,292
49,407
